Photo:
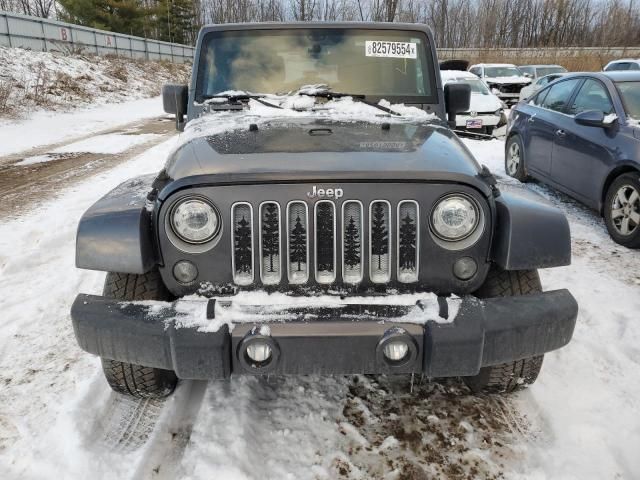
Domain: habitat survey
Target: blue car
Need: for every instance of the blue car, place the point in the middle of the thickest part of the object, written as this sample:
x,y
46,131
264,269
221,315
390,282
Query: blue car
x,y
581,135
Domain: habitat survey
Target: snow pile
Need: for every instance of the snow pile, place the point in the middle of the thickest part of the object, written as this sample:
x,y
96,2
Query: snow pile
x,y
52,81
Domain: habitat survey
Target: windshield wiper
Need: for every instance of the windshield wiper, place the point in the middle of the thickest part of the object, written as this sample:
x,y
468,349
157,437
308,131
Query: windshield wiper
x,y
241,99
356,96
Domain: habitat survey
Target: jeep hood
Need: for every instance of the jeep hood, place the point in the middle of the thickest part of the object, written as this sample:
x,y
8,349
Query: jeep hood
x,y
311,148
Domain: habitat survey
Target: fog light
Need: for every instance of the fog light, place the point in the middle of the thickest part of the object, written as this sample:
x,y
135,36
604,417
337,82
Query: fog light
x,y
259,352
396,350
465,268
185,272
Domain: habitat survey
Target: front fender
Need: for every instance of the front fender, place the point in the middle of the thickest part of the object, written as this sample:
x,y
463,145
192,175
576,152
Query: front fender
x,y
530,232
115,234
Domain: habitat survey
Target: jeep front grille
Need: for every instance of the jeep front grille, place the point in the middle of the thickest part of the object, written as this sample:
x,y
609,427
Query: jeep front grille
x,y
297,243
270,243
242,243
326,242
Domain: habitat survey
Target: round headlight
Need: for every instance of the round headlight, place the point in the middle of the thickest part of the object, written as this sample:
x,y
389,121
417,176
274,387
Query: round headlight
x,y
454,217
195,220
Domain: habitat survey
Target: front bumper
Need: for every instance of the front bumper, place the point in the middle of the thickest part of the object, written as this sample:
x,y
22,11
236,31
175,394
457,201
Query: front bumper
x,y
340,339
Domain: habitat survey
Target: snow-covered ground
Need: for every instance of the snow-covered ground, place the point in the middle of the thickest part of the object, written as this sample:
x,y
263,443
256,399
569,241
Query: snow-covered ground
x,y
56,127
58,418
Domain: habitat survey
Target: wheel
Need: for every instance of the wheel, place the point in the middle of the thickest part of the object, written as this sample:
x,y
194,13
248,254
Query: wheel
x,y
622,210
126,378
514,158
511,376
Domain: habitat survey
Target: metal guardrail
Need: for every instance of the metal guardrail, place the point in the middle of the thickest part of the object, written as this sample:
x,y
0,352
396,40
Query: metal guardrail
x,y
42,34
475,52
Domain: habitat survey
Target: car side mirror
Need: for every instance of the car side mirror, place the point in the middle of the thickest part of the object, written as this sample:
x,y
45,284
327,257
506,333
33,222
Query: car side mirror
x,y
175,99
528,75
457,97
592,118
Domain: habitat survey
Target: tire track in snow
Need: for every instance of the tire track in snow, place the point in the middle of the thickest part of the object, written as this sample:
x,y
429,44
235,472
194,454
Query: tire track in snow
x,y
126,423
173,433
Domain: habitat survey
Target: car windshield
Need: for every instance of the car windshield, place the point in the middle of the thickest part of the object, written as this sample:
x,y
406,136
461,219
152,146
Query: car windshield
x,y
630,94
542,71
502,72
375,63
477,85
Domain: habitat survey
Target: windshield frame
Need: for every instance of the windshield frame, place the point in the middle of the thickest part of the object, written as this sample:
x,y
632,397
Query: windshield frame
x,y
415,30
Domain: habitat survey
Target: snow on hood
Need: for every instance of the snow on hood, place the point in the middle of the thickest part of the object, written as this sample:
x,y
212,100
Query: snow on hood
x,y
506,80
298,106
484,103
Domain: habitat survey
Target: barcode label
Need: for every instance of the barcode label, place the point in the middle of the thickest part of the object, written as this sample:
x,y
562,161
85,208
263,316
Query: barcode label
x,y
376,48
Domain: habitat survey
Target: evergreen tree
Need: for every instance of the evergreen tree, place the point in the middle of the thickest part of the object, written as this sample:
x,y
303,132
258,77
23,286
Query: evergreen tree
x,y
242,249
270,227
324,235
407,243
298,244
351,244
379,233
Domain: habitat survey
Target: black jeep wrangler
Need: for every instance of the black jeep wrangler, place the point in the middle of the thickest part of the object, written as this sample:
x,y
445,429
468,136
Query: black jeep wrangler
x,y
320,217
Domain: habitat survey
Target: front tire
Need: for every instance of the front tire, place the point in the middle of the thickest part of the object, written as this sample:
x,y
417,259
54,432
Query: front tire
x,y
622,210
510,376
126,378
514,159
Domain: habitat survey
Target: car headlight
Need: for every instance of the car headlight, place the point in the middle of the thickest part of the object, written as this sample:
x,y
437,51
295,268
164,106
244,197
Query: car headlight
x,y
195,220
498,112
455,217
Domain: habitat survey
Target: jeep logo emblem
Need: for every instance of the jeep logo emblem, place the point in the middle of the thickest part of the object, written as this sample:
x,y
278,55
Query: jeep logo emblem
x,y
336,193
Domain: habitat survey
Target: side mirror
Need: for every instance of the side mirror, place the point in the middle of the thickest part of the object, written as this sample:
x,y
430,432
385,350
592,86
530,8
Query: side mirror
x,y
593,118
528,75
457,97
175,99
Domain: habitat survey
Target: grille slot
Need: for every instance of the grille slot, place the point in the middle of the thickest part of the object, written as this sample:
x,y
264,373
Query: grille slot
x,y
242,243
270,269
298,243
352,270
325,241
408,228
380,241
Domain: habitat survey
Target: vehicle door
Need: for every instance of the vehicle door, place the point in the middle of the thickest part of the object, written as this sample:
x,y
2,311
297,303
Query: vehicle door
x,y
545,109
580,152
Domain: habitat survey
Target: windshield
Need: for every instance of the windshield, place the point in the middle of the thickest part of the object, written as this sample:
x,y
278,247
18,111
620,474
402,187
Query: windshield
x,y
630,94
391,64
477,85
542,71
502,72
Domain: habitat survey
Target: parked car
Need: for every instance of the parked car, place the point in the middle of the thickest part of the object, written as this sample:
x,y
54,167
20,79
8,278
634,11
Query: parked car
x,y
272,193
504,80
537,71
625,64
581,135
486,111
541,82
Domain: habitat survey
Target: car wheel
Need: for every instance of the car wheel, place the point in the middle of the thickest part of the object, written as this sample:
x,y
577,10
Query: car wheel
x,y
510,376
126,378
514,159
622,210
